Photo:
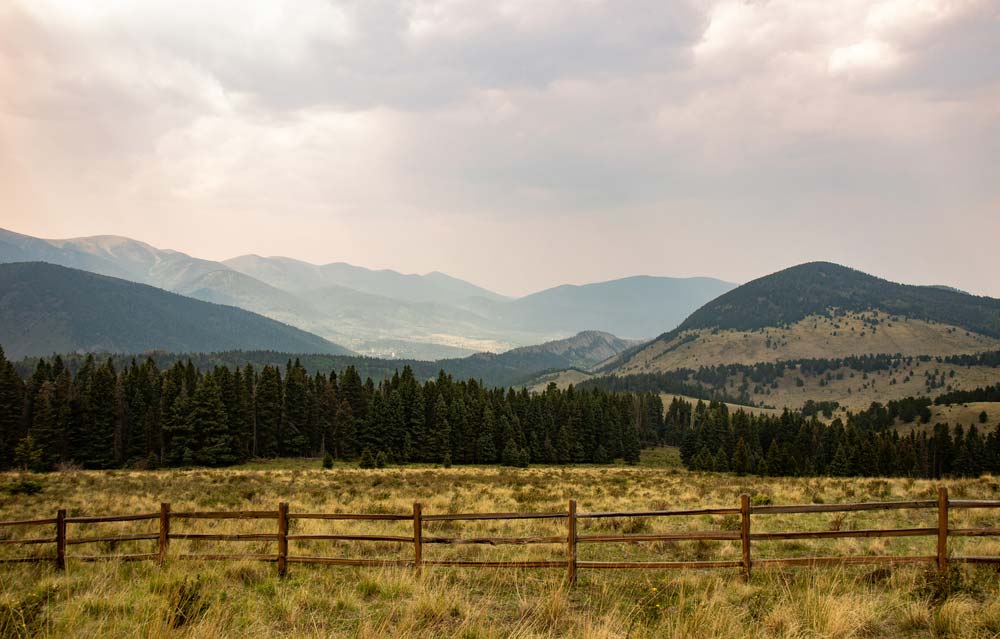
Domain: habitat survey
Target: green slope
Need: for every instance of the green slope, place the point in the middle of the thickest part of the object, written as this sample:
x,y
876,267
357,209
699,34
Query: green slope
x,y
790,295
46,308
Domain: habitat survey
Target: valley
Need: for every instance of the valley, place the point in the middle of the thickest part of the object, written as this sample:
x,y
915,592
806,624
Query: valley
x,y
380,313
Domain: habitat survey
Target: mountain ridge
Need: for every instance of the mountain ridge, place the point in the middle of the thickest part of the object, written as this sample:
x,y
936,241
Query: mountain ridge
x,y
46,308
383,312
819,309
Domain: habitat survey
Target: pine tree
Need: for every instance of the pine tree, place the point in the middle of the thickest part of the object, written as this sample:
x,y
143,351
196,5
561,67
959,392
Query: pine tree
x,y
630,444
46,429
328,461
511,454
343,444
292,437
439,445
721,461
100,418
208,421
841,464
367,460
381,460
740,462
268,410
601,455
28,455
485,450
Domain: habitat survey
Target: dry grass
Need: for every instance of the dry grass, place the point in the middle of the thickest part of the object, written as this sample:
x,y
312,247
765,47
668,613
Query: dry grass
x,y
812,337
247,599
856,392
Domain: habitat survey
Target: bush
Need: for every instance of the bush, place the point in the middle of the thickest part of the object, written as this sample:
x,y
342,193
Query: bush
x,y
23,487
367,460
328,461
381,461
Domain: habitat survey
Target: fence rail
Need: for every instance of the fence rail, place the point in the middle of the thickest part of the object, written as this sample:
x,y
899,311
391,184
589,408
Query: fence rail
x,y
570,540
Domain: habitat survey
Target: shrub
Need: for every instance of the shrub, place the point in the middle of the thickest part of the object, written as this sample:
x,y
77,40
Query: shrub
x,y
23,487
328,461
381,461
367,460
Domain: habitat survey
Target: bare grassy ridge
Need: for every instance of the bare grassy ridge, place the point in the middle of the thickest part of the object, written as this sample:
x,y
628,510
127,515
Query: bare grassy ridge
x,y
813,337
248,600
855,391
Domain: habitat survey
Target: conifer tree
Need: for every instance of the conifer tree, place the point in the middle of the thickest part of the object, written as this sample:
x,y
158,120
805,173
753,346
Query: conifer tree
x,y
208,422
100,418
343,444
740,462
440,439
268,411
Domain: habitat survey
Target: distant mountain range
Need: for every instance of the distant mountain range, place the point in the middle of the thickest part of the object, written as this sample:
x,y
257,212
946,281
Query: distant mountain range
x,y
47,309
382,312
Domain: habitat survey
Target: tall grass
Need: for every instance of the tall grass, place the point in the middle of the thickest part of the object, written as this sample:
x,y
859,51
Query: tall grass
x,y
247,599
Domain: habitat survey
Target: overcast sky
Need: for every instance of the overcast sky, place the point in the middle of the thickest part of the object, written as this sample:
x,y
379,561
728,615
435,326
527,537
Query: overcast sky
x,y
518,144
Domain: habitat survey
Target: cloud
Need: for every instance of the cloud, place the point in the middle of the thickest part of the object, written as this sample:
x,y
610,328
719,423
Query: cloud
x,y
371,131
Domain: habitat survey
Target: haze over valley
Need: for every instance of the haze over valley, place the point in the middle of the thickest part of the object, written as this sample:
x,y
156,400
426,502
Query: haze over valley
x,y
383,313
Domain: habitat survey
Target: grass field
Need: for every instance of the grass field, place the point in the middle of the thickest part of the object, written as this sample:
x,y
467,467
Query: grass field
x,y
229,599
812,337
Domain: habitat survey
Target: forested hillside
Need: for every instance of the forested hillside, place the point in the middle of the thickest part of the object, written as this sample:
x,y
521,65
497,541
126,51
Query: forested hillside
x,y
142,416
46,308
795,293
505,369
712,437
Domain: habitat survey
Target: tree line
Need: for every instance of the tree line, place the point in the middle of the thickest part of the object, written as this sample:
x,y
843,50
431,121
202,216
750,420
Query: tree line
x,y
713,438
733,383
141,416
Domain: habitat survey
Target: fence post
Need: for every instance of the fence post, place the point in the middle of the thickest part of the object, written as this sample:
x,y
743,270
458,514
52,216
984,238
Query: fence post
x,y
61,539
282,539
745,533
571,542
164,540
942,540
418,537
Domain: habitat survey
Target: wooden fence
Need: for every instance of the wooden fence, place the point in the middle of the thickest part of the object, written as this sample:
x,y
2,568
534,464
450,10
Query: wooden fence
x,y
571,540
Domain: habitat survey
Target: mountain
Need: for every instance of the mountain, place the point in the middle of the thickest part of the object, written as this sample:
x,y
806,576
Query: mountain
x,y
820,310
520,365
383,313
46,308
637,307
791,295
298,276
109,255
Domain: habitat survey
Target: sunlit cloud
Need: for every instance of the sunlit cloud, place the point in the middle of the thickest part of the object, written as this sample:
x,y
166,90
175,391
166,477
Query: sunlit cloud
x,y
435,135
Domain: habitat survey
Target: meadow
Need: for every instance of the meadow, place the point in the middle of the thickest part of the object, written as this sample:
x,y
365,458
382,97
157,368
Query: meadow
x,y
248,599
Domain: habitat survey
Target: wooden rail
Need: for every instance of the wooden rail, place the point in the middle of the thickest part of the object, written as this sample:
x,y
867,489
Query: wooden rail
x,y
281,537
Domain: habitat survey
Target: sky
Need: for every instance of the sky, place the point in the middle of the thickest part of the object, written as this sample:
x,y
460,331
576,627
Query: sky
x,y
518,144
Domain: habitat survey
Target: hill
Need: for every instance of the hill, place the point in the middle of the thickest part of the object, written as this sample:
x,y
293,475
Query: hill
x,y
520,365
815,288
820,310
636,307
46,308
